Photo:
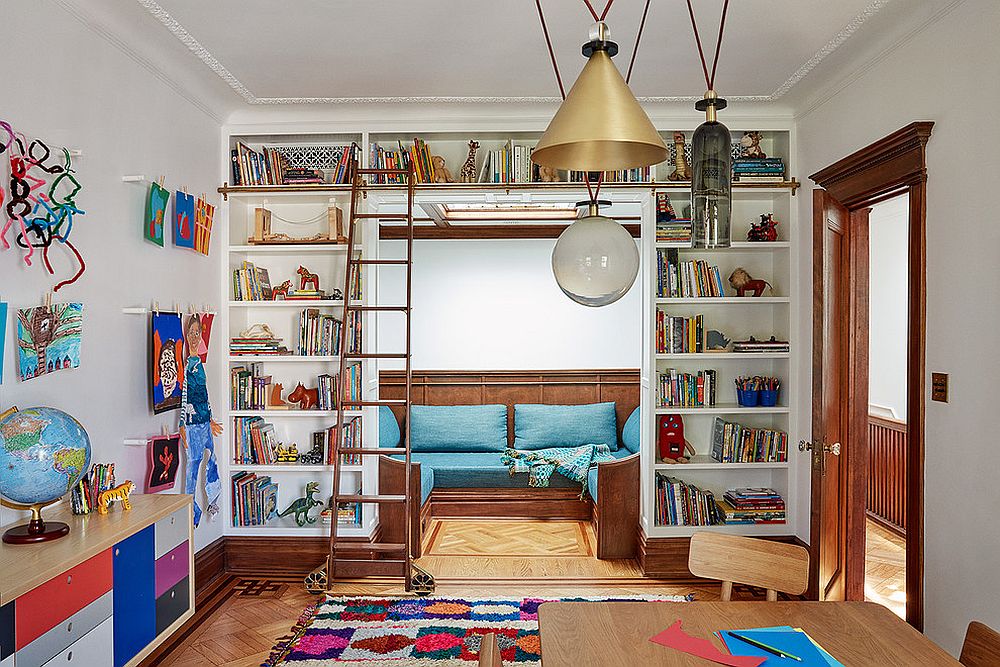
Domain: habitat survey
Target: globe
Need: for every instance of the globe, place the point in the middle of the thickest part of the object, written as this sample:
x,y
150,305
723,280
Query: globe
x,y
43,454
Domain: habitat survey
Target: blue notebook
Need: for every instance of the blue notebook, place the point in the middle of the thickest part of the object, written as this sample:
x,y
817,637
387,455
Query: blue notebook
x,y
785,638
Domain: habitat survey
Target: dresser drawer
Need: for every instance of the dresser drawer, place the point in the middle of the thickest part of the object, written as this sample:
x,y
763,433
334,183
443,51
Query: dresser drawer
x,y
66,633
8,661
171,531
172,604
91,650
43,607
6,632
171,567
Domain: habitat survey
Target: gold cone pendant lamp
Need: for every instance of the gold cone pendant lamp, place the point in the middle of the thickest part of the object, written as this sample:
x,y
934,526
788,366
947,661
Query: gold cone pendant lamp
x,y
600,125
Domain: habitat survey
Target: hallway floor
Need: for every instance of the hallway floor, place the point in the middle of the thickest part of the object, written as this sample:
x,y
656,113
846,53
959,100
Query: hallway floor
x,y
885,568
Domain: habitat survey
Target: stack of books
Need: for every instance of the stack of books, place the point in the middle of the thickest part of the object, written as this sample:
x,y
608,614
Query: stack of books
x,y
255,499
687,390
759,170
679,335
254,442
241,346
251,283
303,176
248,387
694,278
735,443
510,164
319,333
249,167
754,345
305,295
348,514
682,504
752,506
639,175
676,231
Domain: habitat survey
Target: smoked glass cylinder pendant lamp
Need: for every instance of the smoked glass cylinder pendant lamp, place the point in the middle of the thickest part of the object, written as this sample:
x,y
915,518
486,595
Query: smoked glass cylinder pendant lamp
x,y
600,125
595,260
711,177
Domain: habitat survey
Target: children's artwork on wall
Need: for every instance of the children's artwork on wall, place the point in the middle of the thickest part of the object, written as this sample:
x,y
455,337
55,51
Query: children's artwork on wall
x,y
3,336
163,458
203,214
167,347
156,211
197,334
183,220
48,339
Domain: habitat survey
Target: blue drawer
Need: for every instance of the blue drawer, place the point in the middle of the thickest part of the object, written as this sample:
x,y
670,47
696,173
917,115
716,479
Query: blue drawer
x,y
134,595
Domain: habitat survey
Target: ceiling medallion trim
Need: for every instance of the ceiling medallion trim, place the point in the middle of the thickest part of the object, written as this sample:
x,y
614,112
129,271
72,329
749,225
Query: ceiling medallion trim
x,y
203,54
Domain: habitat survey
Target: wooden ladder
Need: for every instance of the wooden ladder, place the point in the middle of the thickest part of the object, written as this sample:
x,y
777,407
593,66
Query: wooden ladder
x,y
382,559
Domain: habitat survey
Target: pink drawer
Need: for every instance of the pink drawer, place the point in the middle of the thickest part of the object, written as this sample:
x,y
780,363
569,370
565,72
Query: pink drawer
x,y
171,567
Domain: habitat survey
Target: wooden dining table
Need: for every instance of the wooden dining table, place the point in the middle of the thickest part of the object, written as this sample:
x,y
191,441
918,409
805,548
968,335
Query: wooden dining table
x,y
617,634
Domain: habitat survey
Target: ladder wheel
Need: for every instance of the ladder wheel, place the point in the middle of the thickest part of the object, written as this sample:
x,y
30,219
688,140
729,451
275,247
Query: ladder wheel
x,y
421,581
315,581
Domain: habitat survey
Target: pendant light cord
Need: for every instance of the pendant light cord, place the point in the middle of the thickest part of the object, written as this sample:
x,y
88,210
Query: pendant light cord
x,y
548,43
709,78
593,13
635,48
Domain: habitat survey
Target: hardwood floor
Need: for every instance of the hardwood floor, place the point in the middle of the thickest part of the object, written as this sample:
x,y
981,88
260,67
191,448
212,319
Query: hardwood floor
x,y
885,568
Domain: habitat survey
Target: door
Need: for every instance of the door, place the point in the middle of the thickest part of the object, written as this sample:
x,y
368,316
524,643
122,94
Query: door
x,y
840,403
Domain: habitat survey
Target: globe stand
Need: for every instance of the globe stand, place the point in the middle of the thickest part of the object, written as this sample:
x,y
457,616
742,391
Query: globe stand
x,y
36,530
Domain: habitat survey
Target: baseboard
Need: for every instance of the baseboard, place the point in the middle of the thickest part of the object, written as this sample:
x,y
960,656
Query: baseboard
x,y
209,569
551,503
248,556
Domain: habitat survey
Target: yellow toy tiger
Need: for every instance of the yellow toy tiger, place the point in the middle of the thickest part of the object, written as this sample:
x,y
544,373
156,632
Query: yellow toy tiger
x,y
120,492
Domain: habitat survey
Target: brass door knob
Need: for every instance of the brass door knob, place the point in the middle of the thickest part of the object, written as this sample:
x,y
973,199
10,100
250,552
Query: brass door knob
x,y
832,449
805,446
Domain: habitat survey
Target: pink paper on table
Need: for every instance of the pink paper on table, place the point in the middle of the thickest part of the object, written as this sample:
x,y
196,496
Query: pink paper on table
x,y
675,638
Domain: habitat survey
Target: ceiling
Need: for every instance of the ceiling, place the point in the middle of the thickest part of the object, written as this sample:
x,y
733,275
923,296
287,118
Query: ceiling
x,y
303,51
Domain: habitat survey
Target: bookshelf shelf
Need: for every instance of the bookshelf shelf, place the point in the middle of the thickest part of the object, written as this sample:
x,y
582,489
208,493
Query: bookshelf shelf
x,y
283,249
724,409
705,462
758,530
708,356
314,530
725,300
736,246
291,467
297,304
278,414
280,358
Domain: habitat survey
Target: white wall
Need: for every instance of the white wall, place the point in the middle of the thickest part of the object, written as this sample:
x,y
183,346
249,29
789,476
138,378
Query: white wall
x,y
888,306
948,73
85,93
494,305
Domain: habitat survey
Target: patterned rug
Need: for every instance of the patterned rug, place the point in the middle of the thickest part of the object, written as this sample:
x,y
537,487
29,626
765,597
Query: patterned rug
x,y
418,632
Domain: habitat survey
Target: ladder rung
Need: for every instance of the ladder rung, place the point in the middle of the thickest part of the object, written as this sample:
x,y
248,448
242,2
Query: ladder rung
x,y
373,451
379,309
356,498
370,404
370,546
382,262
381,216
383,171
376,355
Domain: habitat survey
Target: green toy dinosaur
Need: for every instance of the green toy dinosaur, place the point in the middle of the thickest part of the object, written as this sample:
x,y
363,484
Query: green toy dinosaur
x,y
301,506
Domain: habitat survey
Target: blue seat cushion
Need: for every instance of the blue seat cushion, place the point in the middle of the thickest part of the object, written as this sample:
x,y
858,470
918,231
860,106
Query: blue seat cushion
x,y
457,470
388,428
458,428
426,483
540,426
592,473
632,432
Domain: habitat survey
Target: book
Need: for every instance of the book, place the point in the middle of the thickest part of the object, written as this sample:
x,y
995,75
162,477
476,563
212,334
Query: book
x,y
735,443
686,279
682,504
687,390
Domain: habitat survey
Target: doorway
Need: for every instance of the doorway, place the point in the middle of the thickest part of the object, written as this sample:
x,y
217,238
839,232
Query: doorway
x,y
840,458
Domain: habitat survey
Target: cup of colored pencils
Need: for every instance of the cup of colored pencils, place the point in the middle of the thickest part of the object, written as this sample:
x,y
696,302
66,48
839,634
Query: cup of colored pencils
x,y
757,390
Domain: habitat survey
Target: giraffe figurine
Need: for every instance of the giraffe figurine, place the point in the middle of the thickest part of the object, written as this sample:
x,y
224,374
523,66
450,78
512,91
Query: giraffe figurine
x,y
681,172
468,173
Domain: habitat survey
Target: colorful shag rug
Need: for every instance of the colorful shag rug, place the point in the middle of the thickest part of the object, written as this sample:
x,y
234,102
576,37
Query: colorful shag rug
x,y
418,632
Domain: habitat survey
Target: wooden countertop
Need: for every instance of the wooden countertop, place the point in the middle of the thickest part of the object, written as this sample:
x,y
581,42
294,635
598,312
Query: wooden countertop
x,y
24,566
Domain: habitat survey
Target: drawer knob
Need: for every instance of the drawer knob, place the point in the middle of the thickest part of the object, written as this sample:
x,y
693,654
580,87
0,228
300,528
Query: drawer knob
x,y
173,594
117,552
69,656
69,627
173,556
69,579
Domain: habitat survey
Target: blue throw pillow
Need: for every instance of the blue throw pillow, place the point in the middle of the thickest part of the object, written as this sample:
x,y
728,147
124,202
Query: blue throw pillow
x,y
458,428
540,426
632,432
388,428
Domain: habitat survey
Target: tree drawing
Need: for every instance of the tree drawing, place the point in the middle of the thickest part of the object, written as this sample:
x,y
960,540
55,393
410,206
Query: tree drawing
x,y
45,326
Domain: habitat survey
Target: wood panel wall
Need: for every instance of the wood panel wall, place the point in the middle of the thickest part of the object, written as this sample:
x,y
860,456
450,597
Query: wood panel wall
x,y
887,456
567,387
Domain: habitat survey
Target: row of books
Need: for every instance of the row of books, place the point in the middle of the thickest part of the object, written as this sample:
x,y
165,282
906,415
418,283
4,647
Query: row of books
x,y
639,175
255,499
245,345
323,440
252,168
348,514
693,278
100,477
327,387
379,158
687,390
679,335
255,442
319,333
735,443
677,231
251,283
510,164
682,504
249,388
759,170
753,506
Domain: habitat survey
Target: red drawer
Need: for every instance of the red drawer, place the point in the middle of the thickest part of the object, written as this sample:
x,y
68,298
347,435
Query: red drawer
x,y
171,567
43,607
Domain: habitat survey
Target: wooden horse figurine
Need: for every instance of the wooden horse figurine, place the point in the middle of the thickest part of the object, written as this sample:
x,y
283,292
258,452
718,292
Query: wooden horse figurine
x,y
307,278
281,290
681,172
276,402
468,172
306,398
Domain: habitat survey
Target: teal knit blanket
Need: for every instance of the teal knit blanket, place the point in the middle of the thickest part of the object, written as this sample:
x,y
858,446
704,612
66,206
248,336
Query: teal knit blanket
x,y
571,462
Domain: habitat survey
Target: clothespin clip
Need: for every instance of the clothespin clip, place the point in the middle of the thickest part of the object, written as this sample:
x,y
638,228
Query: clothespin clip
x,y
48,299
160,181
156,307
164,430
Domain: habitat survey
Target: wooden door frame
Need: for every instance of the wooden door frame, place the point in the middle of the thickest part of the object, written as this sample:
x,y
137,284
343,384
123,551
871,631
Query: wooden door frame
x,y
892,166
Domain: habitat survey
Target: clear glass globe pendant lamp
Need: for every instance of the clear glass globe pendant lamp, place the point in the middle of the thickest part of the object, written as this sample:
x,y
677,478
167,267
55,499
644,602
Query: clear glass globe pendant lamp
x,y
711,171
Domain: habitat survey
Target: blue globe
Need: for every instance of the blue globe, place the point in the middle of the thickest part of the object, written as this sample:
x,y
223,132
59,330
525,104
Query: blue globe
x,y
43,454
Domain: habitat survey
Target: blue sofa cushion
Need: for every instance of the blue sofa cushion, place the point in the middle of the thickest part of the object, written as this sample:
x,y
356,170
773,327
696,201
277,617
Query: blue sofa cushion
x,y
458,428
456,470
388,428
631,432
426,482
592,483
540,426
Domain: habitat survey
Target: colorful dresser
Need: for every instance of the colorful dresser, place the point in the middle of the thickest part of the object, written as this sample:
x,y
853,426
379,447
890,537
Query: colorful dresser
x,y
105,595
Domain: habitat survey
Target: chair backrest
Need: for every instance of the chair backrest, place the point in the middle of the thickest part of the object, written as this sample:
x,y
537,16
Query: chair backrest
x,y
981,647
489,652
774,566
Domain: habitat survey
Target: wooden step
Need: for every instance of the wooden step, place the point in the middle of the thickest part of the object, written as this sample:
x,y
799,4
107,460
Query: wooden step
x,y
381,262
376,355
382,171
346,568
355,498
379,309
381,216
370,546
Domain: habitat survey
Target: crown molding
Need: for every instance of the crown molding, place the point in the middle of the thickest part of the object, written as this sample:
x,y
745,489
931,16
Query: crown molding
x,y
91,24
213,63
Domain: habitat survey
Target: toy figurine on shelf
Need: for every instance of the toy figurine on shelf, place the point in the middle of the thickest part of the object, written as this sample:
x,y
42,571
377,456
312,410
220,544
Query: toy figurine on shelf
x,y
337,295
468,171
301,507
306,398
548,175
681,170
441,172
287,455
766,231
276,402
750,146
313,457
742,282
306,277
281,290
716,341
120,493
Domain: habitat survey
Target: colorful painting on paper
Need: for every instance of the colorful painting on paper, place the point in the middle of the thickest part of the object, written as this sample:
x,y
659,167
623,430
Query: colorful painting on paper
x,y
48,339
3,336
167,347
203,214
197,334
183,220
156,213
163,461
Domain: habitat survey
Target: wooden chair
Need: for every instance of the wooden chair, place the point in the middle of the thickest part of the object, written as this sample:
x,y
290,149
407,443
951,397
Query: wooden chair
x,y
489,652
981,647
774,566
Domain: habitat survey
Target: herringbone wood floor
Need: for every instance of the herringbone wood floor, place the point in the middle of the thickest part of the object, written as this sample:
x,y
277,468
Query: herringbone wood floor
x,y
255,613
